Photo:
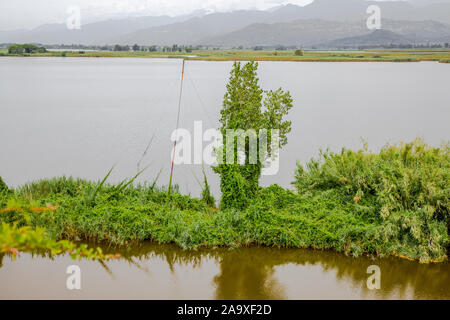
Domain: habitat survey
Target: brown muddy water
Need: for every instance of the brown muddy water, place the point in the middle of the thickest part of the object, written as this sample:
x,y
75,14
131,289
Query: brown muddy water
x,y
152,271
78,117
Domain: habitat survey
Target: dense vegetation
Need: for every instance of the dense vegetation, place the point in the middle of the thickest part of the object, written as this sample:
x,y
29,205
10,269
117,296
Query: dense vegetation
x,y
25,49
395,202
247,108
402,192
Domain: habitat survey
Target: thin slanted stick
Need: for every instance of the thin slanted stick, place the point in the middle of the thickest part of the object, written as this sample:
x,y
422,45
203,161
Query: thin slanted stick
x,y
178,122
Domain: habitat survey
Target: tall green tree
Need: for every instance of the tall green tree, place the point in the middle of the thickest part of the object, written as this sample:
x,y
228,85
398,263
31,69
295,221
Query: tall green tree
x,y
3,186
246,106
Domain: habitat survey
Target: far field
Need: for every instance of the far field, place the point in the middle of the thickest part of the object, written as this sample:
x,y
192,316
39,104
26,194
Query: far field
x,y
397,55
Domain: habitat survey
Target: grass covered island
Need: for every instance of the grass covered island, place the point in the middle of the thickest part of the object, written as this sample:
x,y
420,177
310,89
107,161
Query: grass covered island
x,y
392,203
395,202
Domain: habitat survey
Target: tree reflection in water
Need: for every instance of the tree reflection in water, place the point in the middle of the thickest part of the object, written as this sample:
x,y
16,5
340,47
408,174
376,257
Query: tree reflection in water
x,y
249,273
254,273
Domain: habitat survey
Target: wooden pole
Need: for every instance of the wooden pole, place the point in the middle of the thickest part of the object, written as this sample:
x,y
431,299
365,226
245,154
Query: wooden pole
x,y
178,122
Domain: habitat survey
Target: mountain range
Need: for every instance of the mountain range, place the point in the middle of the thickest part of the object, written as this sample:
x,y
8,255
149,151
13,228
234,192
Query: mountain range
x,y
309,33
322,22
92,33
375,39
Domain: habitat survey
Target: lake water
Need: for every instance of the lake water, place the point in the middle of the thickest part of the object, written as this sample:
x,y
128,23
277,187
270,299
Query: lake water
x,y
79,117
151,271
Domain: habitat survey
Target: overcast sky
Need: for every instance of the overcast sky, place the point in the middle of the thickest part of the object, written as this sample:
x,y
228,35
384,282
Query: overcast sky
x,y
26,14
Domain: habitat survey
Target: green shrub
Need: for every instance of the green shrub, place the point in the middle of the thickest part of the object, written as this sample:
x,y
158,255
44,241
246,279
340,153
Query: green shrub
x,y
405,189
15,240
24,49
247,106
276,197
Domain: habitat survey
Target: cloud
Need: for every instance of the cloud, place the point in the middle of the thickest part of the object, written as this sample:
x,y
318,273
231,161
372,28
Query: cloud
x,y
25,14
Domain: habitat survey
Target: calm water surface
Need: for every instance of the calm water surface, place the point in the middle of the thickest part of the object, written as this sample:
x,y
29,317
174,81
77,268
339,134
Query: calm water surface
x,y
80,116
151,271
62,116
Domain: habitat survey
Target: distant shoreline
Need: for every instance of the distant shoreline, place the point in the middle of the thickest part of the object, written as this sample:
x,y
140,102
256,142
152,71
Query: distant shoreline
x,y
375,55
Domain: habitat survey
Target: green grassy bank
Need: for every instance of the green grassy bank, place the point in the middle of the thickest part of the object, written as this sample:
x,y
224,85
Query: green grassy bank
x,y
442,55
395,202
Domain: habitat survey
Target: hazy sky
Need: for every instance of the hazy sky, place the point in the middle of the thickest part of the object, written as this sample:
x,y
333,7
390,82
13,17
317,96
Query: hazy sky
x,y
18,14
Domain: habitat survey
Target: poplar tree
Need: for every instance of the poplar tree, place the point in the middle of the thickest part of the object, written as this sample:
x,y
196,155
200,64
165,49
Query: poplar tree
x,y
247,106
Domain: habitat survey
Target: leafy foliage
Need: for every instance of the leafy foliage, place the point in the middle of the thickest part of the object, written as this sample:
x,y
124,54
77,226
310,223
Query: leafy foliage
x,y
25,49
247,107
403,189
14,240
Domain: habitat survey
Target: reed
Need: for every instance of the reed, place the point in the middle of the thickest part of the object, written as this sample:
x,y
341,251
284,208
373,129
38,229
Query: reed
x,y
394,202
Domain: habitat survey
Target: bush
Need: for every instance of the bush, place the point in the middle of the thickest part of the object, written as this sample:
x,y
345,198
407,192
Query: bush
x,y
25,49
246,106
298,52
404,189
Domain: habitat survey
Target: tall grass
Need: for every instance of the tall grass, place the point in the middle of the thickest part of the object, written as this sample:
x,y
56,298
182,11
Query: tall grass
x,y
404,189
395,202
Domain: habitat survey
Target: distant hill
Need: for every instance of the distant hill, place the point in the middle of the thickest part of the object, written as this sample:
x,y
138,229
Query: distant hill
x,y
193,30
306,33
298,33
373,39
355,10
220,27
89,34
265,27
351,10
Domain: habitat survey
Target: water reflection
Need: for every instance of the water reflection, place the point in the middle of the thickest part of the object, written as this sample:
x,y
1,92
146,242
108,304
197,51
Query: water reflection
x,y
271,273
